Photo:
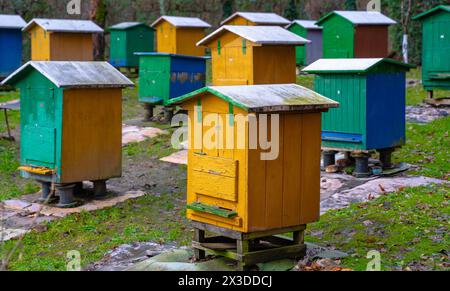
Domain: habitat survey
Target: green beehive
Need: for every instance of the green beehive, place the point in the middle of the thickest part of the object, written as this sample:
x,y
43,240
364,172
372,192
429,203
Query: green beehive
x,y
436,48
126,39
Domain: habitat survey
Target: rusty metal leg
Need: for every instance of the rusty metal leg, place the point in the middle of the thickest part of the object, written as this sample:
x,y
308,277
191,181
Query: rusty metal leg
x,y
66,197
329,158
100,188
361,165
7,124
199,236
430,94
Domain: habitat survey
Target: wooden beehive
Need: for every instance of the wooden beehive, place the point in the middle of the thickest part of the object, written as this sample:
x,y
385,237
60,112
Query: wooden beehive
x,y
128,38
372,97
10,43
310,52
355,34
253,55
436,48
255,19
229,184
71,125
62,39
179,35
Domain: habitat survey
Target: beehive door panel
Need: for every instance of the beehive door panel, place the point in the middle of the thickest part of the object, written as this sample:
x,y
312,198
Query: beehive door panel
x,y
118,48
154,79
235,68
439,50
39,147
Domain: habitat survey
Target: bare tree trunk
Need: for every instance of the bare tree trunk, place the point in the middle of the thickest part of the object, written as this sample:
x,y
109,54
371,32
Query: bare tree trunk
x,y
406,18
98,15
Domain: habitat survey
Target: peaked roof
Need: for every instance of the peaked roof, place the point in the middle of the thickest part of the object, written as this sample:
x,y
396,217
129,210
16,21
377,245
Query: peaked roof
x,y
126,25
65,25
11,21
265,35
183,21
361,17
259,18
445,8
351,65
75,74
308,24
266,98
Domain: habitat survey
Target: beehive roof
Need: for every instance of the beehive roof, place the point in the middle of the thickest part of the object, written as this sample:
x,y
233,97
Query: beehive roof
x,y
156,54
351,65
265,35
75,74
178,21
126,25
266,98
432,11
259,18
65,25
308,24
361,17
11,21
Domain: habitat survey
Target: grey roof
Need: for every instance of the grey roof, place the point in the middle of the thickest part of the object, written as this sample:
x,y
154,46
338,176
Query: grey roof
x,y
363,17
349,65
267,98
308,24
76,74
259,18
126,25
183,21
268,35
11,21
65,25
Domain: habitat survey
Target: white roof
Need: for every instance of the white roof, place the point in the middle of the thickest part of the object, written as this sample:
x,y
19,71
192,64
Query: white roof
x,y
126,25
366,17
308,24
344,65
269,35
259,18
11,21
77,74
183,21
65,25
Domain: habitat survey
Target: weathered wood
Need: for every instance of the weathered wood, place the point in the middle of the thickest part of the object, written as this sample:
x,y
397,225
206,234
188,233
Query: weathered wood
x,y
199,237
263,256
212,210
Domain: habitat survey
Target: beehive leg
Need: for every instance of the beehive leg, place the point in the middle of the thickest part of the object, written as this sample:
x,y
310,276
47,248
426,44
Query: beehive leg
x,y
66,197
148,112
243,247
361,165
78,188
168,114
299,239
430,94
329,158
386,158
199,237
100,188
46,191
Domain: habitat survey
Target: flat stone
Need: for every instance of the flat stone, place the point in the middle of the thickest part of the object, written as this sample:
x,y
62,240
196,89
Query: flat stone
x,y
11,233
278,266
331,254
16,204
179,158
133,134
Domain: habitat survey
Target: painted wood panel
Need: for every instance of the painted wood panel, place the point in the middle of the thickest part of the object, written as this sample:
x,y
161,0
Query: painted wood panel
x,y
40,44
274,65
71,47
186,42
371,41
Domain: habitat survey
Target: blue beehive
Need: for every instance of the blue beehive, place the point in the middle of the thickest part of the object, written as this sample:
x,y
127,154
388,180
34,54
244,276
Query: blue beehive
x,y
10,43
166,76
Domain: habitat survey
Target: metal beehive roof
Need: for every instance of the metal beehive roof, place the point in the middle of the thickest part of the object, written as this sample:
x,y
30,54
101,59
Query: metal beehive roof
x,y
259,18
266,98
11,21
268,35
126,25
431,11
178,21
65,25
75,74
362,17
308,24
349,65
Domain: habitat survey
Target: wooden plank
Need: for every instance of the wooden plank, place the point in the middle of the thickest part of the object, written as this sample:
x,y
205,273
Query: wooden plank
x,y
199,237
215,166
223,253
263,256
214,185
212,210
217,230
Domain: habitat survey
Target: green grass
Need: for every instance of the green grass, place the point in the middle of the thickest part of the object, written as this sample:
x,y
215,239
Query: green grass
x,y
13,116
416,94
306,81
409,228
428,147
155,148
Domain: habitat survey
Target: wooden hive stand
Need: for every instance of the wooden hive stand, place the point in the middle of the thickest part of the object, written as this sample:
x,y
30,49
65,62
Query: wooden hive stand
x,y
248,249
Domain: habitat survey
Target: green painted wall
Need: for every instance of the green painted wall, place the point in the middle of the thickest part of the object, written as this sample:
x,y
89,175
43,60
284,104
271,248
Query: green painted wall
x,y
154,77
118,46
350,91
338,38
300,50
41,121
436,50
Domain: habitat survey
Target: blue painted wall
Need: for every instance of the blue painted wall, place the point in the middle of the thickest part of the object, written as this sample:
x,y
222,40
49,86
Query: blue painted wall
x,y
10,51
187,74
386,122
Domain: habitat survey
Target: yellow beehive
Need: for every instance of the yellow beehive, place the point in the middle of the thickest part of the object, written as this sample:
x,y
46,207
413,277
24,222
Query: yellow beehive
x,y
256,18
179,35
62,39
230,184
253,55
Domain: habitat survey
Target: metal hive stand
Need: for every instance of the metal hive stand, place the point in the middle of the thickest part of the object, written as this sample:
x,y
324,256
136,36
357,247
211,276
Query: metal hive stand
x,y
248,249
